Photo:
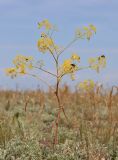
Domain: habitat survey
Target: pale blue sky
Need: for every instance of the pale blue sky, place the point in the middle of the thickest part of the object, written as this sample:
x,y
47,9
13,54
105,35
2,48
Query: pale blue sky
x,y
19,34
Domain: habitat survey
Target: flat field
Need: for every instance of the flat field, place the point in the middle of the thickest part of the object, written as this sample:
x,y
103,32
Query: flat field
x,y
90,131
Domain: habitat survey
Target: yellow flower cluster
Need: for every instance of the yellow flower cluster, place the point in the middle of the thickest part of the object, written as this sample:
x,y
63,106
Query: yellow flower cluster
x,y
11,72
46,24
86,32
21,64
75,57
69,66
89,31
87,85
97,63
45,43
102,61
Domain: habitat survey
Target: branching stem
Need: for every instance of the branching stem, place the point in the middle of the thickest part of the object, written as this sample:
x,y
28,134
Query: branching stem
x,y
37,77
45,71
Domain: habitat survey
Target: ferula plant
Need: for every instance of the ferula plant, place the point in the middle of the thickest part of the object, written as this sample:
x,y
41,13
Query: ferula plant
x,y
25,65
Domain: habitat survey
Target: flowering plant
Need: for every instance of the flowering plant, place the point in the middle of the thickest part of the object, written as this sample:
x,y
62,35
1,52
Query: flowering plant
x,y
46,44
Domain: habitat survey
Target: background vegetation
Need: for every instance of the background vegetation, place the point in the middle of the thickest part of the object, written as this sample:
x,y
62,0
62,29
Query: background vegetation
x,y
90,133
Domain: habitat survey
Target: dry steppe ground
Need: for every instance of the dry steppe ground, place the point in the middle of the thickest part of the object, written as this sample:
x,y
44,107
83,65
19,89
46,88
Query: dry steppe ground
x,y
27,125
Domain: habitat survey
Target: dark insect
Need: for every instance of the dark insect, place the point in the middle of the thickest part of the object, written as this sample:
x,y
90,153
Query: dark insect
x,y
26,59
103,56
73,65
43,35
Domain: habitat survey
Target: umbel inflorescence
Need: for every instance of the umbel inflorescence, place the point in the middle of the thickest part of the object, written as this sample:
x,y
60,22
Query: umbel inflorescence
x,y
25,65
46,44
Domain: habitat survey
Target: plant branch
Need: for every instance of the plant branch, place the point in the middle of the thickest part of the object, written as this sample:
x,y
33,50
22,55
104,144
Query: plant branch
x,y
45,71
52,54
37,77
67,46
87,67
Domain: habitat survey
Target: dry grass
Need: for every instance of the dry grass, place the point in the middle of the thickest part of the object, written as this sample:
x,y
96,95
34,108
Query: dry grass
x,y
91,131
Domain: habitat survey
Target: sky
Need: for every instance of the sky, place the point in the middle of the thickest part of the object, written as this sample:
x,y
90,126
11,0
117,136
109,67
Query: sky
x,y
19,34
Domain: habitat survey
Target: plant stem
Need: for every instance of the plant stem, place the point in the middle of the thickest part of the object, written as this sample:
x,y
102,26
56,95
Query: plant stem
x,y
60,107
37,77
45,71
67,46
55,141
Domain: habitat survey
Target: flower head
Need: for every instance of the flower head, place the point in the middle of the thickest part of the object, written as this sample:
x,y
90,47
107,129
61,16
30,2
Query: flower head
x,y
102,61
45,43
21,63
11,72
87,85
46,24
69,67
97,63
75,57
86,32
